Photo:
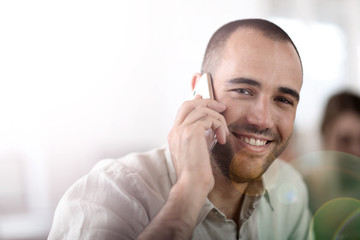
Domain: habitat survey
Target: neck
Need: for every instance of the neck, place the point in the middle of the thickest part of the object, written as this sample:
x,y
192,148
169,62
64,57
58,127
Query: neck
x,y
226,195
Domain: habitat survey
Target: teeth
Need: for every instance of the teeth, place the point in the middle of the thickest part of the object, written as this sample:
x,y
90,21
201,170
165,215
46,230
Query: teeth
x,y
253,141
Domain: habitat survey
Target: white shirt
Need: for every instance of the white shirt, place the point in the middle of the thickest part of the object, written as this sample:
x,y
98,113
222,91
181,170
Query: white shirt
x,y
120,197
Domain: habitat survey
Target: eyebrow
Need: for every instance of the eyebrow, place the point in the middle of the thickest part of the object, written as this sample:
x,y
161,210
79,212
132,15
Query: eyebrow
x,y
243,80
290,91
252,82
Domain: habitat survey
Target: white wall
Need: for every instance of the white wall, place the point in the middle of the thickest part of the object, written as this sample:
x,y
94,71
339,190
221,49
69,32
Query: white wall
x,y
86,80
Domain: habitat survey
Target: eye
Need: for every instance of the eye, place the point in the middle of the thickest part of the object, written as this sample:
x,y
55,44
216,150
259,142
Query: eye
x,y
344,141
284,100
242,91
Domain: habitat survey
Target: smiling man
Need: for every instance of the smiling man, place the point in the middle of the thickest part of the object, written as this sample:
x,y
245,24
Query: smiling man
x,y
258,80
236,191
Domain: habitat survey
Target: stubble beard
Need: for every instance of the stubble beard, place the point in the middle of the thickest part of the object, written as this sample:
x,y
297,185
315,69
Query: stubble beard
x,y
228,161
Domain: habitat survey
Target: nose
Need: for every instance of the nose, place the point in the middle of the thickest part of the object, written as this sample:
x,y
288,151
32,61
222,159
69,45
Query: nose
x,y
259,113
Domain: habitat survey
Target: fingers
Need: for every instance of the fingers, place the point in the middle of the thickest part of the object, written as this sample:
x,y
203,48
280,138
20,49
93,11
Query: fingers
x,y
203,114
206,119
216,125
189,138
189,106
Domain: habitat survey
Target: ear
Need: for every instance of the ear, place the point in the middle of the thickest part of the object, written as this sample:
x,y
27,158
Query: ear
x,y
194,80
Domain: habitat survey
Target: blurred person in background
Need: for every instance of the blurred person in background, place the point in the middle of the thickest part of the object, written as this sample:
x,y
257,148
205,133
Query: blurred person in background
x,y
236,190
333,175
340,126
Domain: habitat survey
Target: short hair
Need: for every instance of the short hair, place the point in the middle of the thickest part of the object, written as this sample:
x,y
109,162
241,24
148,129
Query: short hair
x,y
213,53
338,104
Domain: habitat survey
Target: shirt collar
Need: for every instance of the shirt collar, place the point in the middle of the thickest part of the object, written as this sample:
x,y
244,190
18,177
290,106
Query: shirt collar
x,y
262,187
259,188
271,179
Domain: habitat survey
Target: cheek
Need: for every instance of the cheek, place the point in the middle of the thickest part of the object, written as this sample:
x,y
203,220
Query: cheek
x,y
234,112
283,120
330,141
285,123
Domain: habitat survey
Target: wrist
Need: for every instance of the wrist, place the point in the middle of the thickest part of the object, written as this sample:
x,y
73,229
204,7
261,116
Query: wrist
x,y
195,182
188,197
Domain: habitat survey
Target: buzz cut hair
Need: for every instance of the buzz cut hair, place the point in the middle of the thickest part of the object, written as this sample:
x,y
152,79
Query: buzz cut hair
x,y
215,47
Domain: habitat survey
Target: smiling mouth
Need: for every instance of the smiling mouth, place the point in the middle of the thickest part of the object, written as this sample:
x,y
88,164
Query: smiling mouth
x,y
253,141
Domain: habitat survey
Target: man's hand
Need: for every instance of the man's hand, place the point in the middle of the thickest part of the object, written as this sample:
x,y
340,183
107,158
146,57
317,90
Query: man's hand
x,y
190,154
188,143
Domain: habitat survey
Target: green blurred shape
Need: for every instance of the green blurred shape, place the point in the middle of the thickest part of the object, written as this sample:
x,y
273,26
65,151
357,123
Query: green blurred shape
x,y
337,219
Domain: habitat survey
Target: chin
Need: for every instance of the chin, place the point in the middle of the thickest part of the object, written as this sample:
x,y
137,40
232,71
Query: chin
x,y
247,171
247,167
242,165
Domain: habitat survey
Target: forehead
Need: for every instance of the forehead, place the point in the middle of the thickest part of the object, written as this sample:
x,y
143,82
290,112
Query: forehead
x,y
347,121
248,53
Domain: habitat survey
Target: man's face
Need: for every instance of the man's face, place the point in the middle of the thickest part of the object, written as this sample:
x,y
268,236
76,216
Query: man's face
x,y
259,80
344,134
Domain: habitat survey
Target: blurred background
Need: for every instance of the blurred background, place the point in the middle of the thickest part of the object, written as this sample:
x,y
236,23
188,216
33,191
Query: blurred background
x,y
81,81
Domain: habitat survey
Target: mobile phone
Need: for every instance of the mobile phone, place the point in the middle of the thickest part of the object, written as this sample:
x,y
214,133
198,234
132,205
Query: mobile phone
x,y
204,87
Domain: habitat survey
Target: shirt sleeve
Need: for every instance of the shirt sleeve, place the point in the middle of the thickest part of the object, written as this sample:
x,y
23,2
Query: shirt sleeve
x,y
101,205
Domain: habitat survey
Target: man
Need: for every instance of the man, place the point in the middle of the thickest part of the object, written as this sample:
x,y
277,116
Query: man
x,y
332,175
340,126
182,191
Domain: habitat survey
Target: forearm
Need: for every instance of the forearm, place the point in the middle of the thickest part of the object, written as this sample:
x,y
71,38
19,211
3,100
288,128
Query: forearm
x,y
177,218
